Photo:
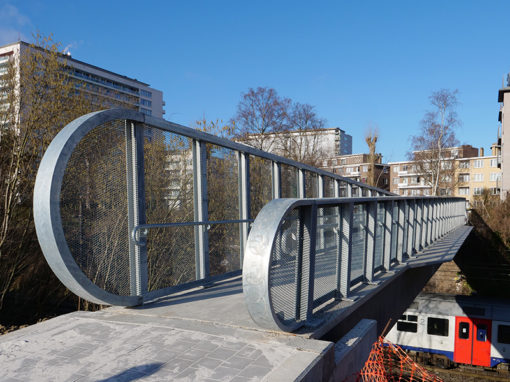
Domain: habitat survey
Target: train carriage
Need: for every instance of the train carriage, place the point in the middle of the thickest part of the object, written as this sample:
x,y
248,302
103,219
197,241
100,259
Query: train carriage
x,y
456,329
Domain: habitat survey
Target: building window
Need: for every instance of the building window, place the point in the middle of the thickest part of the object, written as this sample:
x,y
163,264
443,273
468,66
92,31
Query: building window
x,y
446,165
495,191
477,191
426,192
145,102
395,180
342,161
463,190
405,167
145,93
494,163
405,180
437,326
464,164
478,177
464,178
395,168
495,176
146,111
348,170
478,163
364,169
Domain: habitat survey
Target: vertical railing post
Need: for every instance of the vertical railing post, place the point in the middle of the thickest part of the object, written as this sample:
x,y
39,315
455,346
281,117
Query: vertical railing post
x,y
349,190
200,206
320,180
388,224
344,266
400,230
138,278
410,229
244,200
276,188
336,185
310,219
425,217
434,220
370,241
419,224
301,184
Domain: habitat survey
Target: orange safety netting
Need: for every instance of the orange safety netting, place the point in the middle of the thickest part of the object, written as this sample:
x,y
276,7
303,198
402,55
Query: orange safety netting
x,y
388,362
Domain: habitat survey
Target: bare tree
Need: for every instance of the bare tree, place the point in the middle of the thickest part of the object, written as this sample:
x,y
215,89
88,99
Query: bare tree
x,y
260,112
302,141
38,100
431,148
371,137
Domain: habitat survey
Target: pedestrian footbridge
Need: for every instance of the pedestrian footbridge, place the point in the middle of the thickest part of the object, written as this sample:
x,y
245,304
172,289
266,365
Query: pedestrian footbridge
x,y
213,242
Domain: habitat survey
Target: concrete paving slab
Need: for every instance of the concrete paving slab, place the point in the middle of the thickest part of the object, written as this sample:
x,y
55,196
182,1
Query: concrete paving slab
x,y
94,346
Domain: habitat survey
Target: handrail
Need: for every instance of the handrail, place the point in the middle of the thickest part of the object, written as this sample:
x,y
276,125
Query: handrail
x,y
94,192
302,253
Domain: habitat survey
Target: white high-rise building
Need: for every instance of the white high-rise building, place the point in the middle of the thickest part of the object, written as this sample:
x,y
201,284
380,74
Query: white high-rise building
x,y
120,90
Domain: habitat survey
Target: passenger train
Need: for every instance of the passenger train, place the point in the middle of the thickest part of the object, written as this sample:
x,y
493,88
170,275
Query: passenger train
x,y
455,330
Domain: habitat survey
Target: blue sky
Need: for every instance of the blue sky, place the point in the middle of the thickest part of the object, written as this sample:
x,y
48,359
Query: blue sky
x,y
360,63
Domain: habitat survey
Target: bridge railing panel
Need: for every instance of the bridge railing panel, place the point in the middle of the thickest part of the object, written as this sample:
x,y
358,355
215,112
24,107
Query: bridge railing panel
x,y
129,207
304,253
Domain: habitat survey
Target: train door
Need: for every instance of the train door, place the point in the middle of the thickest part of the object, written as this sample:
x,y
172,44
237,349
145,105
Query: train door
x,y
472,341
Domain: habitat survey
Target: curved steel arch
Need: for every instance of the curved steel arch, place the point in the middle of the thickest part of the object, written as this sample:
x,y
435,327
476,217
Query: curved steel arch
x,y
47,216
257,262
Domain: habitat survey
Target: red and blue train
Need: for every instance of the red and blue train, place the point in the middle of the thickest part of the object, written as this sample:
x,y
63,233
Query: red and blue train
x,y
456,329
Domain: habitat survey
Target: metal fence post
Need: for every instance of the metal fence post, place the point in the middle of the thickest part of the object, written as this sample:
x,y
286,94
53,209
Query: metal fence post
x,y
276,180
344,281
370,241
200,204
388,223
418,224
136,206
400,230
310,220
349,190
301,184
244,200
410,227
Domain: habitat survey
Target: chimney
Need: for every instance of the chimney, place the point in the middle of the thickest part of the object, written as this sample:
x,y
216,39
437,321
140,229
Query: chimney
x,y
481,151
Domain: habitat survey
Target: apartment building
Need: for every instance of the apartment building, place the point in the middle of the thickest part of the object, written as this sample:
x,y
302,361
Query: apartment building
x,y
329,141
111,88
357,166
470,172
407,178
504,136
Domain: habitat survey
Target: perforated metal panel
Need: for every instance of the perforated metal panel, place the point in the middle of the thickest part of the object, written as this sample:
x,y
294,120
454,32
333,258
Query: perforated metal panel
x,y
379,235
260,184
327,251
285,273
94,207
358,241
289,181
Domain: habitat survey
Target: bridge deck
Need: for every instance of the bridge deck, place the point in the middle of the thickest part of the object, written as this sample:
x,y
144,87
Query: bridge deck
x,y
201,334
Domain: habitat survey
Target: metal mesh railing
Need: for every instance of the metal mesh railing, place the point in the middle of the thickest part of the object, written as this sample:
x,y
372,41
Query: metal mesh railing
x,y
148,206
313,251
93,207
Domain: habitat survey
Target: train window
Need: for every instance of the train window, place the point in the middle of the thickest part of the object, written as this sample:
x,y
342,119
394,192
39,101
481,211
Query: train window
x,y
437,326
504,334
407,326
464,330
481,333
412,318
403,317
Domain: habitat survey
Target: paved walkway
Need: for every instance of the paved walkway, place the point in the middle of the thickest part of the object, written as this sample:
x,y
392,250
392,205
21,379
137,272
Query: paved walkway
x,y
158,343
